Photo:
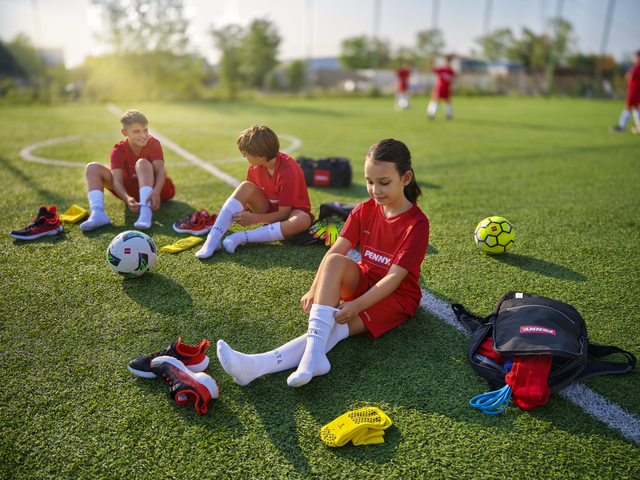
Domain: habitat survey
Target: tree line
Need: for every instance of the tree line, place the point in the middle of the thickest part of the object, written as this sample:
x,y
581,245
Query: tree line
x,y
150,57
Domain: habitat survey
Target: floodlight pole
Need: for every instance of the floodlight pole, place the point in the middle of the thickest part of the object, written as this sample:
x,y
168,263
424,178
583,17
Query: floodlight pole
x,y
375,54
597,87
554,50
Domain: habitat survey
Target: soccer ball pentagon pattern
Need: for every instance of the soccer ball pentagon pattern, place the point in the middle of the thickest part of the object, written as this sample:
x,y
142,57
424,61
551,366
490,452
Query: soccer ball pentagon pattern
x,y
495,235
131,253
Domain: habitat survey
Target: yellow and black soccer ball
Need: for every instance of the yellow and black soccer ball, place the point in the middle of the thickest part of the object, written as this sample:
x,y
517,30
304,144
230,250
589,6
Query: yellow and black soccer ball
x,y
494,235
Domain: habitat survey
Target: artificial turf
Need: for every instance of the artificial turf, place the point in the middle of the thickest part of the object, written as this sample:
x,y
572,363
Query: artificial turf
x,y
69,325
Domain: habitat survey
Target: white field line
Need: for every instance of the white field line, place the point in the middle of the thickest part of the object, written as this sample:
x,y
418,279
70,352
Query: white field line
x,y
595,405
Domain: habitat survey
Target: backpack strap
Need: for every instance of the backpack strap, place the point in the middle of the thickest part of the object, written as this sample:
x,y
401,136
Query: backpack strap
x,y
594,369
468,321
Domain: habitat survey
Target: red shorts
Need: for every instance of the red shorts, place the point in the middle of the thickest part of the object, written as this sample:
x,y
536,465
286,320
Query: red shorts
x,y
443,93
633,97
133,190
384,315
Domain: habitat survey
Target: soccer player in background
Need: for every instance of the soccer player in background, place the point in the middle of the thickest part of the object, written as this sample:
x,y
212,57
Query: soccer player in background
x,y
632,100
402,98
442,89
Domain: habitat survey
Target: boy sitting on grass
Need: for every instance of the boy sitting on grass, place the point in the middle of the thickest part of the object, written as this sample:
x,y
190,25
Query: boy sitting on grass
x,y
136,176
274,194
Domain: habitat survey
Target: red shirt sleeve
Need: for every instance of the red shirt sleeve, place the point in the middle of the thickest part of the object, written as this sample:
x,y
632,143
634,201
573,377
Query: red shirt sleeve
x,y
155,150
117,157
412,252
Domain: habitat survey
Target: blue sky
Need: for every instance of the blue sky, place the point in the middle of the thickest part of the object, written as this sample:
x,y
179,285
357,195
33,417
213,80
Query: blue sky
x,y
65,23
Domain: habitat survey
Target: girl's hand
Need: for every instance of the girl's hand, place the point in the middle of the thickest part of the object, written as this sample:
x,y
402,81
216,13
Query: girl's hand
x,y
244,218
307,301
133,204
348,311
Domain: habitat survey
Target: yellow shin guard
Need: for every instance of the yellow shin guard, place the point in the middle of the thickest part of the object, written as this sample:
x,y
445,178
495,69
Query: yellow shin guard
x,y
364,426
183,244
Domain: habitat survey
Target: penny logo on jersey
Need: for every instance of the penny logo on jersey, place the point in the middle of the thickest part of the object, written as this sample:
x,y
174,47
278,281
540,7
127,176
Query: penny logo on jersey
x,y
377,257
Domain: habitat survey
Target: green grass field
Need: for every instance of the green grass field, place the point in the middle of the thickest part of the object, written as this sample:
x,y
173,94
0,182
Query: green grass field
x,y
69,325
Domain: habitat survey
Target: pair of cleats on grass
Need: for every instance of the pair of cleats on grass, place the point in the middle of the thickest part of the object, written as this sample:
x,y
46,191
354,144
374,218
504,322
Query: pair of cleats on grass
x,y
182,367
201,223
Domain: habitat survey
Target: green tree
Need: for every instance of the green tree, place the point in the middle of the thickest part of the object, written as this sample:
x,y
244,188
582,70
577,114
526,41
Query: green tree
x,y
295,74
228,39
495,45
258,51
530,50
429,43
358,51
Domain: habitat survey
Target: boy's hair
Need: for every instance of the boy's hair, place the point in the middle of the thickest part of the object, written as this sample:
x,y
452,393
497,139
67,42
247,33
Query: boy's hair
x,y
396,152
259,141
133,116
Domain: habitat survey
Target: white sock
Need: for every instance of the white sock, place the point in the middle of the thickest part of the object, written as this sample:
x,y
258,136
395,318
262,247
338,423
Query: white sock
x,y
144,219
97,218
448,108
268,233
221,225
636,117
432,109
624,118
314,362
246,368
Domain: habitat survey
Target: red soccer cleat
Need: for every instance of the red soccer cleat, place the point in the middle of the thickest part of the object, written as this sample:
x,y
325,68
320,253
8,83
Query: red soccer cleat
x,y
185,386
198,223
193,358
47,222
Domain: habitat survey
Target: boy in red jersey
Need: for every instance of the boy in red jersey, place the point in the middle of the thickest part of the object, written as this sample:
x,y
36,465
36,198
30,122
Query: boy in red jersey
x,y
632,100
371,297
274,194
136,176
442,89
403,74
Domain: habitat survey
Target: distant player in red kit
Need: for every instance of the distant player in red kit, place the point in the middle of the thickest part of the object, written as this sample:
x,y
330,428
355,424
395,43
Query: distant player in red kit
x,y
633,99
402,98
347,298
442,89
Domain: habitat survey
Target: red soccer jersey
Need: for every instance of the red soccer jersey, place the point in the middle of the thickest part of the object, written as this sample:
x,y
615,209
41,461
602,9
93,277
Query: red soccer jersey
x,y
634,73
286,187
403,78
401,240
445,77
122,157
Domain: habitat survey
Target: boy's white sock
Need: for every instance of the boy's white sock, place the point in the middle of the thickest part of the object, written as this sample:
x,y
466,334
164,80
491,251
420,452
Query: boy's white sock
x,y
144,219
432,109
448,108
624,118
636,117
268,233
221,225
314,362
96,207
246,368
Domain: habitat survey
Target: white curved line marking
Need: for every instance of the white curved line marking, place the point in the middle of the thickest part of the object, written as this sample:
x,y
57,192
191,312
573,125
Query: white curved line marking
x,y
26,154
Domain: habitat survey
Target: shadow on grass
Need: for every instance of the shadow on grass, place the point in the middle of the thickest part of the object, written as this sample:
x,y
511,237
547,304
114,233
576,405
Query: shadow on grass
x,y
541,267
158,293
47,196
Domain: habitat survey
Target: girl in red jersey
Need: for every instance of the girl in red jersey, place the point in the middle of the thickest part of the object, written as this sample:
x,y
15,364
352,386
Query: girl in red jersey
x,y
370,297
633,99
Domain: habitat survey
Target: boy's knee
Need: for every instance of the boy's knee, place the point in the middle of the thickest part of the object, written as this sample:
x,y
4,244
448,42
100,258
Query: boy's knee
x,y
143,163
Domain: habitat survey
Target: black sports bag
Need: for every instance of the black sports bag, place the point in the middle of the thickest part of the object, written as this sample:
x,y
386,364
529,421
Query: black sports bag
x,y
527,324
326,172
